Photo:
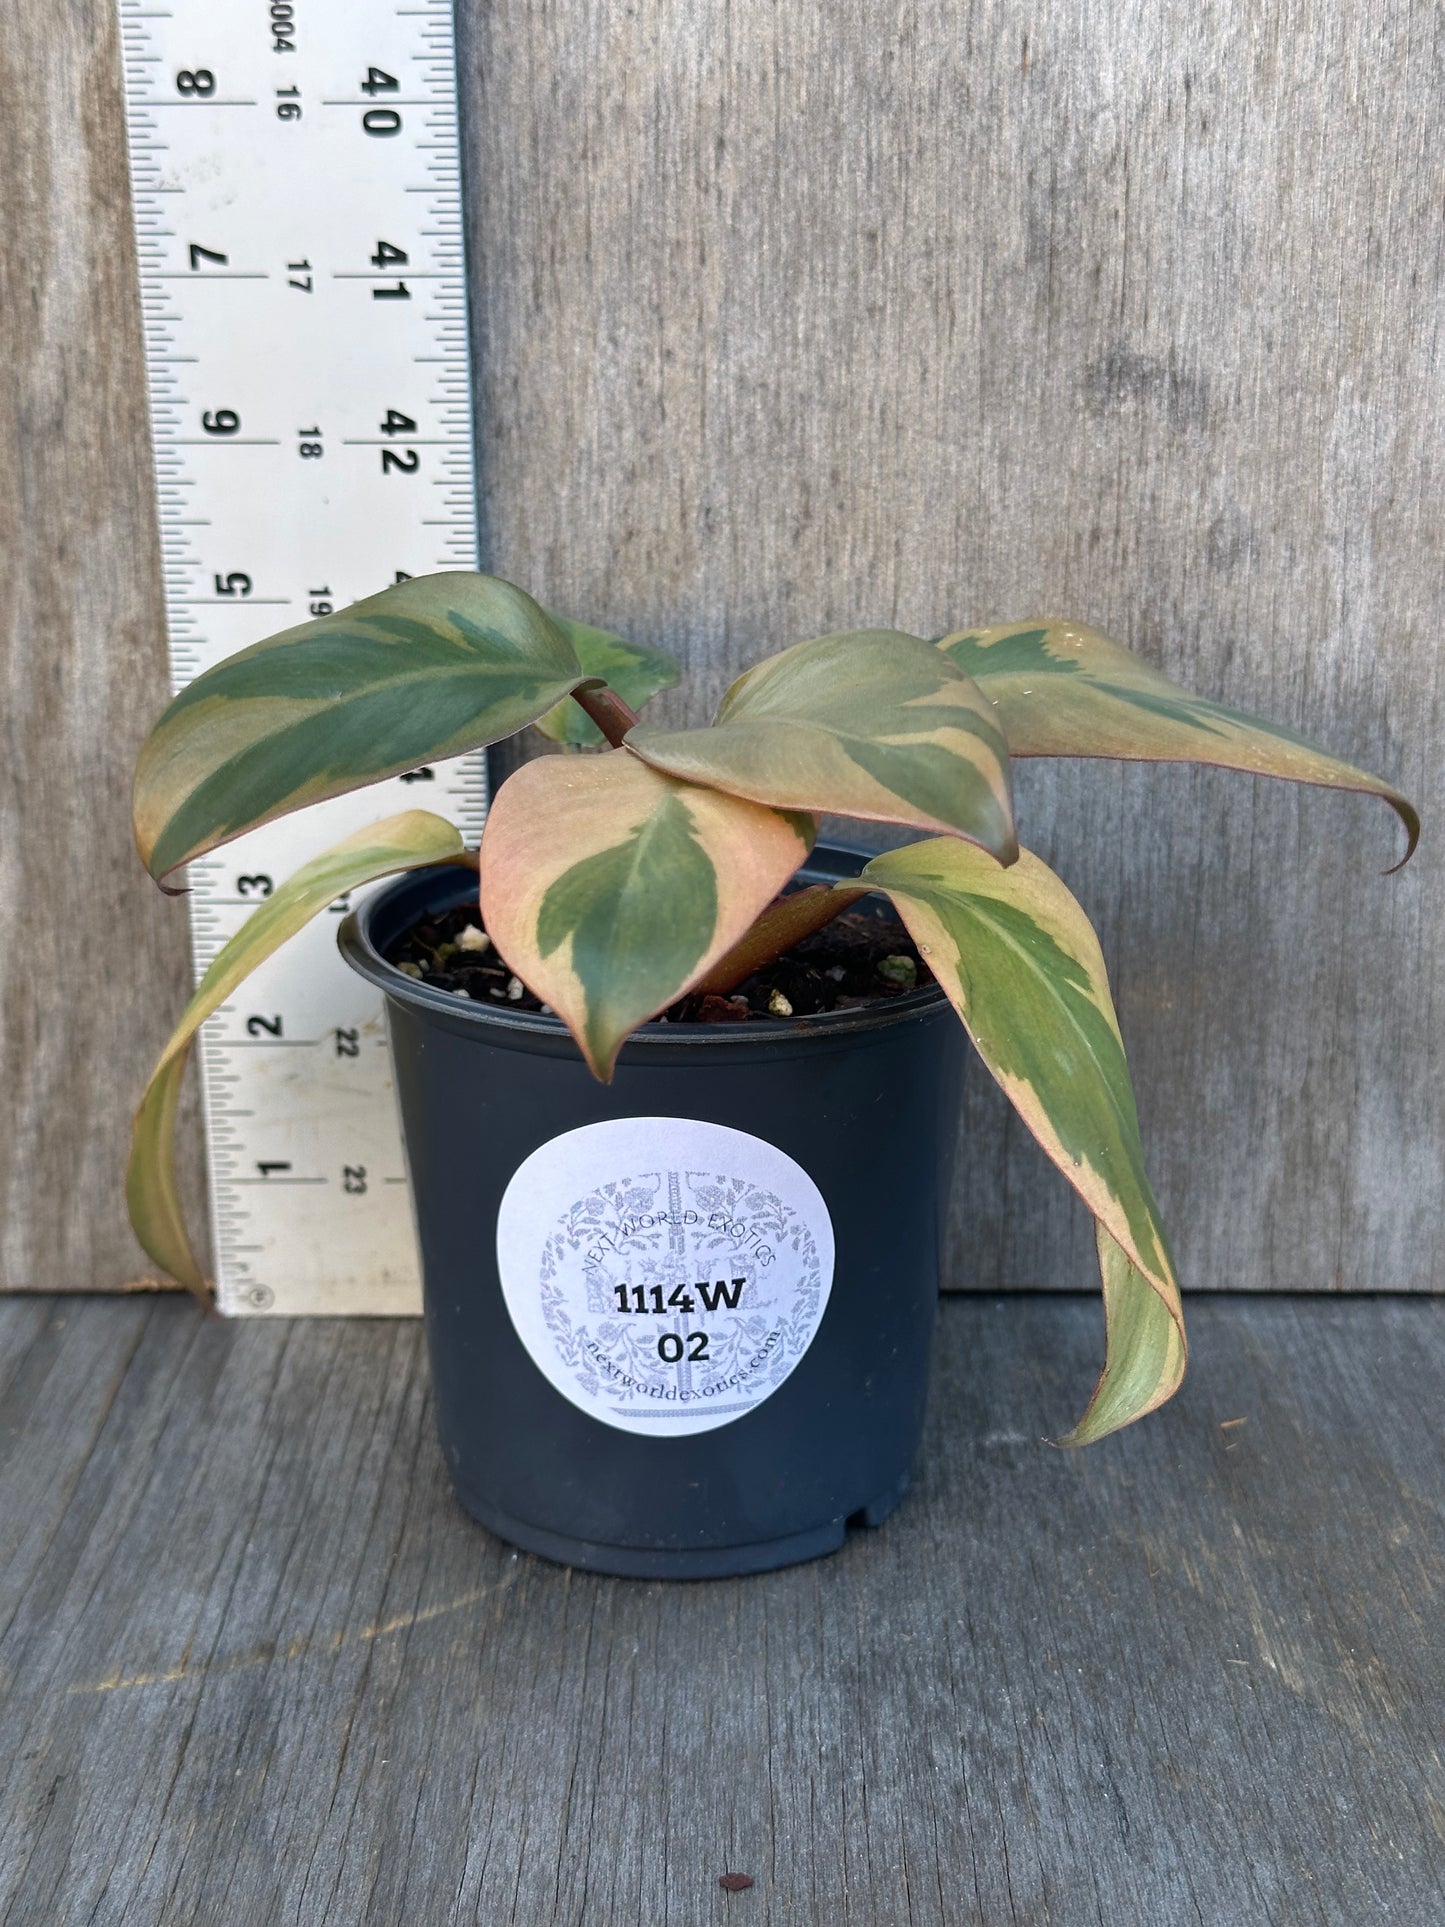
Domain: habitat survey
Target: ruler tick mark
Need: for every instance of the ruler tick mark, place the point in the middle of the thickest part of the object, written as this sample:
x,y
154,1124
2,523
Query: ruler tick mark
x,y
309,533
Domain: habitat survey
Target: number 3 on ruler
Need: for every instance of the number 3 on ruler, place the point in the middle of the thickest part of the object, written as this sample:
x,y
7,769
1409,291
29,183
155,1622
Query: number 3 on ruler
x,y
312,442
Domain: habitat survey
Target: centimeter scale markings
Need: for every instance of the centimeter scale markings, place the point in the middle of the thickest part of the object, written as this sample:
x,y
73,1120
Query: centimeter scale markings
x,y
296,186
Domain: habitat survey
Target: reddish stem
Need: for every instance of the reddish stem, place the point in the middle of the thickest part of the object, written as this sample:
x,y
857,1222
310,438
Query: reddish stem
x,y
785,922
607,710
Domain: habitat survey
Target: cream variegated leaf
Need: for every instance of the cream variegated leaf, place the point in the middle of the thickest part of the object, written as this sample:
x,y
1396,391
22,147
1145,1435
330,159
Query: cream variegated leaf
x,y
1019,961
425,670
1144,1346
610,888
860,724
404,842
1061,689
630,669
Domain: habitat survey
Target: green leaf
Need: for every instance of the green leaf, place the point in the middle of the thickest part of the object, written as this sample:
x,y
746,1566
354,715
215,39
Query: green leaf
x,y
1144,1348
1020,963
861,724
1063,690
610,889
634,672
425,670
405,842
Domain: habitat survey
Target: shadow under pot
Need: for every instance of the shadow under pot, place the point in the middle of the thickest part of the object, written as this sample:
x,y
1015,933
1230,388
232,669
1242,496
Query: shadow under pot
x,y
679,1325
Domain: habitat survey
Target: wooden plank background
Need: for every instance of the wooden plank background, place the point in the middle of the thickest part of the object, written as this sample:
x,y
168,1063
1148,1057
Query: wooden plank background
x,y
261,1669
789,318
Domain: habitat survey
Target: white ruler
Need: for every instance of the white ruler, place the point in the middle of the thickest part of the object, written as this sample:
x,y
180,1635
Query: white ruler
x,y
297,195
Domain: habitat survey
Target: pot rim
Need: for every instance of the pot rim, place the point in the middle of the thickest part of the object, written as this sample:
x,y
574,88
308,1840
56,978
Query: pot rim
x,y
356,940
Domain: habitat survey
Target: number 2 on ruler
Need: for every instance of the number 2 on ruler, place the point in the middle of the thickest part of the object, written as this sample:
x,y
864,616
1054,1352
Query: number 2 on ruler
x,y
298,218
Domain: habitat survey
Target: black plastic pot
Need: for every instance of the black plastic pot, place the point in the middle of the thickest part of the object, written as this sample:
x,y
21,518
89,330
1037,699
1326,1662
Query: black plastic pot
x,y
691,1337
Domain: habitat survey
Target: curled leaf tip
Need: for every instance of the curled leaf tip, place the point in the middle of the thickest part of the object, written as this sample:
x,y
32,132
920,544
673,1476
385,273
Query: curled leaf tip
x,y
1061,689
1016,956
1410,817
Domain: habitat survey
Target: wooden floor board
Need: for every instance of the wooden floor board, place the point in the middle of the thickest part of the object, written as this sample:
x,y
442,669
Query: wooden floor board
x,y
256,1663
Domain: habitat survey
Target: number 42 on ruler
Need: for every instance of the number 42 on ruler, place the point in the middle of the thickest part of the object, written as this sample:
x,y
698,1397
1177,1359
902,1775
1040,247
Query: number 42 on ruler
x,y
297,202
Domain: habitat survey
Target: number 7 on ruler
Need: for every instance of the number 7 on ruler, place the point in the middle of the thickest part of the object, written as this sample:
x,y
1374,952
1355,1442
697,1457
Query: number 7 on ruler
x,y
296,187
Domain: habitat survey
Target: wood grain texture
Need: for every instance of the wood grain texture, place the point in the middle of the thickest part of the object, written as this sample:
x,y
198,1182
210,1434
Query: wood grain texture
x,y
259,1665
790,318
800,318
94,964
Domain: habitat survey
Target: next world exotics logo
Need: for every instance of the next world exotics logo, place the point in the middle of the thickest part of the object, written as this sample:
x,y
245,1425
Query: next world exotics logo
x,y
666,1275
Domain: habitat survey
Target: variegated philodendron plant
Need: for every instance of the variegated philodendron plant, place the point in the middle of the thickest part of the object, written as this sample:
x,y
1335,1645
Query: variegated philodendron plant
x,y
613,883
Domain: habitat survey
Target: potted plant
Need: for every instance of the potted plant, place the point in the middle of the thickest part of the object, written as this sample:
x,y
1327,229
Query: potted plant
x,y
680,1274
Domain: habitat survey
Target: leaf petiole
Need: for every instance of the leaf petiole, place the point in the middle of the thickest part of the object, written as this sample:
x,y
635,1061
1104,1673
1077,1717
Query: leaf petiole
x,y
606,708
785,922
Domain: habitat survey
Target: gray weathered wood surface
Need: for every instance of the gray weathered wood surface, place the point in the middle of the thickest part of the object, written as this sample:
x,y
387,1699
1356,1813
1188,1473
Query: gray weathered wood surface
x,y
259,1666
92,971
794,317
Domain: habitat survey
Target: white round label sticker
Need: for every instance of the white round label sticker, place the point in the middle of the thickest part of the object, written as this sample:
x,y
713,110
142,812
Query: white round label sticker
x,y
665,1275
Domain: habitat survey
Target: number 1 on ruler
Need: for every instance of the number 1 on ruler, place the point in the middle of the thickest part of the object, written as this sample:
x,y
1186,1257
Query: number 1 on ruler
x,y
296,188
